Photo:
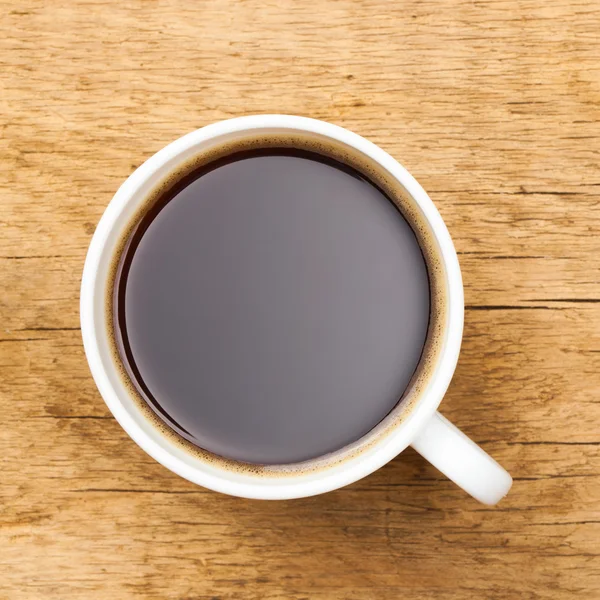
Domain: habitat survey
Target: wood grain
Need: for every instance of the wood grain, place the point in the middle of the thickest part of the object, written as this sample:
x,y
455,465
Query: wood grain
x,y
494,106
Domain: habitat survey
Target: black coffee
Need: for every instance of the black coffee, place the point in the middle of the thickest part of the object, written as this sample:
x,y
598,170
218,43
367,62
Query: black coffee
x,y
273,306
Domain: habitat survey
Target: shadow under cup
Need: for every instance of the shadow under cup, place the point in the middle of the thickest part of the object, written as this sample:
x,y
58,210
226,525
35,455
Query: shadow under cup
x,y
141,192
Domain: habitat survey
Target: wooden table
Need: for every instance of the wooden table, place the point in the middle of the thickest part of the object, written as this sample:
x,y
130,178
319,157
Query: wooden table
x,y
494,107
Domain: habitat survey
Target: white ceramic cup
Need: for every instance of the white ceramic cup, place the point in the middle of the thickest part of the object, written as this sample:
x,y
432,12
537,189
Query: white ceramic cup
x,y
428,432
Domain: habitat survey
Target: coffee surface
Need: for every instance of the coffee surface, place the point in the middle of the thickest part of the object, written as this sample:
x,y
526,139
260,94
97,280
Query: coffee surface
x,y
273,306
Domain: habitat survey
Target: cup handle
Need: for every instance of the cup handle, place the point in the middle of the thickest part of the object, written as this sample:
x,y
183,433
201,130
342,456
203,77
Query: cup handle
x,y
449,450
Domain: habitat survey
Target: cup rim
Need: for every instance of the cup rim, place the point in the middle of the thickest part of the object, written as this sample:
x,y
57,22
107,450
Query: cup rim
x,y
278,486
